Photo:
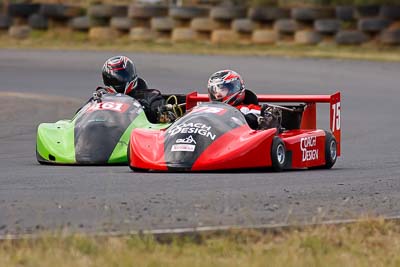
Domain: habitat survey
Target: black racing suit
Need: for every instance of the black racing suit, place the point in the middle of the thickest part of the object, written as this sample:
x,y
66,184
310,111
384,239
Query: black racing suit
x,y
150,99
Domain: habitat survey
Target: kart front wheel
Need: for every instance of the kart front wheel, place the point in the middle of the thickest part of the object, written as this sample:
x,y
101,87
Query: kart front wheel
x,y
278,154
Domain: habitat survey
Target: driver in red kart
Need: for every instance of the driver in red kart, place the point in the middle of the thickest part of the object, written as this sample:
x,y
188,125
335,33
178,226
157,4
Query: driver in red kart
x,y
227,86
120,76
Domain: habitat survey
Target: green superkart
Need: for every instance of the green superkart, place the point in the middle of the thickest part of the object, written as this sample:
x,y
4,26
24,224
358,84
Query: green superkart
x,y
97,135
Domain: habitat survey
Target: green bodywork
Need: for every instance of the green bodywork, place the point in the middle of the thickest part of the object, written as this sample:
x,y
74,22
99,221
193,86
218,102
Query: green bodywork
x,y
56,141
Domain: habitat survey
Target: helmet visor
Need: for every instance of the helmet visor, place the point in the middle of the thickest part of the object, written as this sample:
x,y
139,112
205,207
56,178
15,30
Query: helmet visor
x,y
221,91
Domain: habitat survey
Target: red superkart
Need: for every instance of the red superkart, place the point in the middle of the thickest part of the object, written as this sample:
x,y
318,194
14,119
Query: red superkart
x,y
214,136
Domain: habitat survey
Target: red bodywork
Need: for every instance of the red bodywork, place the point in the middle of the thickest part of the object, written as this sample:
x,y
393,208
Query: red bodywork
x,y
243,147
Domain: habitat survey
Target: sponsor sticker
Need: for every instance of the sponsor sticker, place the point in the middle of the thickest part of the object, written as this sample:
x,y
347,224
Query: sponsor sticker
x,y
207,109
183,147
187,140
193,128
113,106
308,148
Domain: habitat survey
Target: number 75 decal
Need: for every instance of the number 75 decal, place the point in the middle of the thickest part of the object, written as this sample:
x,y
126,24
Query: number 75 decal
x,y
336,117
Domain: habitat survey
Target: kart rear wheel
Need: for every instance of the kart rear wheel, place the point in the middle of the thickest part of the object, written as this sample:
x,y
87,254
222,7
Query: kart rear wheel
x,y
278,154
330,150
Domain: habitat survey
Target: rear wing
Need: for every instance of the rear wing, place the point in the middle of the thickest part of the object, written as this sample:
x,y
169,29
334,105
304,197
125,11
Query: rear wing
x,y
309,117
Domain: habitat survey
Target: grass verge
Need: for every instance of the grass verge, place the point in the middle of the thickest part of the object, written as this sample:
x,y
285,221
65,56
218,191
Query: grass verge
x,y
64,39
366,243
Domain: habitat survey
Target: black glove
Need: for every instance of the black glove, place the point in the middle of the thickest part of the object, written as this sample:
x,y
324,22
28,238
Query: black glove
x,y
98,93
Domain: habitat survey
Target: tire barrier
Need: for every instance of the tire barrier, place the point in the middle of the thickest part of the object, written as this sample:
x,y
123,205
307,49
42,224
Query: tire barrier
x,y
188,12
327,26
373,25
390,37
121,23
107,11
103,34
342,24
147,12
228,13
351,38
80,23
390,12
38,22
183,35
264,37
22,10
345,13
312,13
19,32
205,24
307,37
244,25
5,22
60,11
367,11
286,26
141,34
266,14
224,37
162,24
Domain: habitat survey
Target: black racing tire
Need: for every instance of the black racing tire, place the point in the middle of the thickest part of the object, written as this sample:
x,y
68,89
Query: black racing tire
x,y
390,37
228,13
391,12
278,154
330,150
243,25
351,38
121,23
107,11
311,13
60,11
19,32
99,22
327,26
100,11
5,22
80,23
22,10
38,22
345,13
286,26
204,24
146,12
367,11
307,37
373,24
162,24
268,13
188,12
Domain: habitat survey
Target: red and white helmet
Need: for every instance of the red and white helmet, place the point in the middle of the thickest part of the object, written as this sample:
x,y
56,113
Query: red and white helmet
x,y
226,86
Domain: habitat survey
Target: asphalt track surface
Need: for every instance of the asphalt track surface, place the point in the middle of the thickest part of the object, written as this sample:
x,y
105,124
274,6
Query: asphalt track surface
x,y
365,180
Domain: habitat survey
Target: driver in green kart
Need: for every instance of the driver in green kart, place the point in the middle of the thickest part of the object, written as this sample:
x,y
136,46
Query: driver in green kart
x,y
120,76
227,86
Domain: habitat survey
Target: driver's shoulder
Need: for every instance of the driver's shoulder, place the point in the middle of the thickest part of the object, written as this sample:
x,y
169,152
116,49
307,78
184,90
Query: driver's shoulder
x,y
250,98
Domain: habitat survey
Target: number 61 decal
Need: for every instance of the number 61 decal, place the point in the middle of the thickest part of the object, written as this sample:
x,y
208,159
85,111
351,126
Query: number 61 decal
x,y
336,117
